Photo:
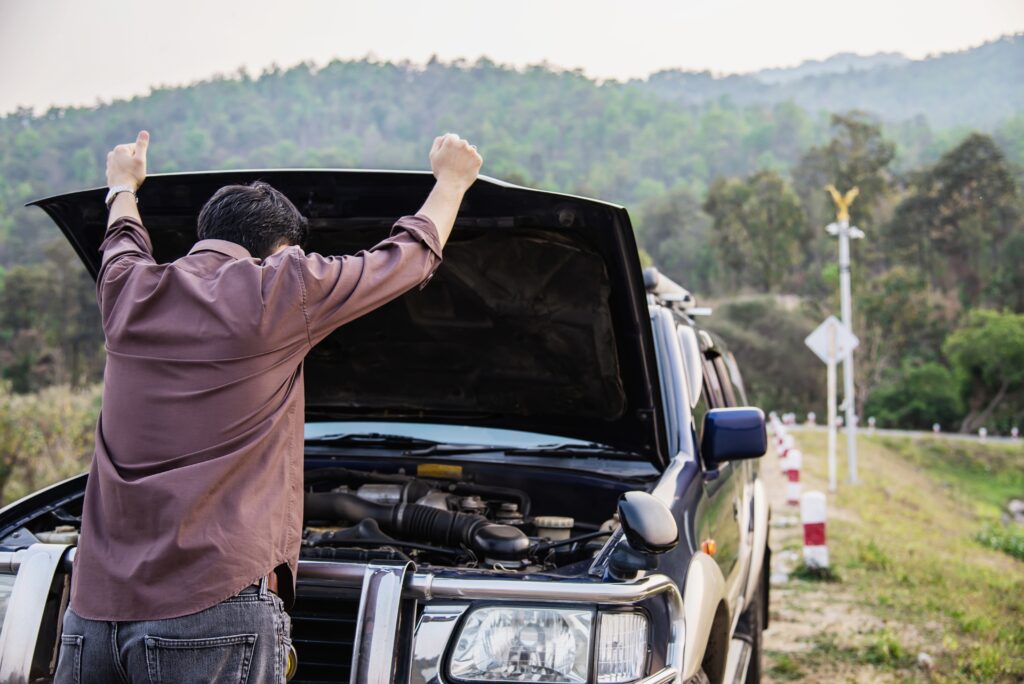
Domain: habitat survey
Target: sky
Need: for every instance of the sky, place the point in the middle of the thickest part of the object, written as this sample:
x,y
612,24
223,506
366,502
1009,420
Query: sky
x,y
78,52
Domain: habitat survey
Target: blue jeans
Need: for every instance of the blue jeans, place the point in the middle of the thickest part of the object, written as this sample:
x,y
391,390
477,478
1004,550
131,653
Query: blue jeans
x,y
243,639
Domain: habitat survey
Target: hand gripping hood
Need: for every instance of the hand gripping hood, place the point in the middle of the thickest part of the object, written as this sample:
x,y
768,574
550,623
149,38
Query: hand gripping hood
x,y
537,319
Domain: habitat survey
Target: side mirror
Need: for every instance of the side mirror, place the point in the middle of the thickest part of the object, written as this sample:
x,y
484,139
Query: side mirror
x,y
733,434
647,523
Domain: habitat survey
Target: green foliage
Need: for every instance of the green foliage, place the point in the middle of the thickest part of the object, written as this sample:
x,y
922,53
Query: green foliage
x,y
957,222
758,228
858,155
1006,538
674,232
766,334
765,151
907,319
49,324
885,649
916,397
987,353
44,437
784,666
811,574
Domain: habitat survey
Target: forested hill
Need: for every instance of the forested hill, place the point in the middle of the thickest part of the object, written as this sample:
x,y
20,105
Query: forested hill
x,y
725,188
976,88
552,129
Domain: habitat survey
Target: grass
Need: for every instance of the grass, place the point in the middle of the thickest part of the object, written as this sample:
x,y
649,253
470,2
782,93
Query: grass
x,y
920,545
1006,538
784,666
809,574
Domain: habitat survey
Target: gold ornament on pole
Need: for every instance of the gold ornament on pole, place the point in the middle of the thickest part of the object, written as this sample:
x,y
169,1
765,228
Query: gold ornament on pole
x,y
843,202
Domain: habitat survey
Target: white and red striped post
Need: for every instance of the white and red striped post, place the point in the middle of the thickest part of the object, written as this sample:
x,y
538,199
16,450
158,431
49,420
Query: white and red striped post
x,y
812,514
788,444
794,461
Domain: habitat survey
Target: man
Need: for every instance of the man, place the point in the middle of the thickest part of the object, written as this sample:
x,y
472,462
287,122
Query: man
x,y
193,510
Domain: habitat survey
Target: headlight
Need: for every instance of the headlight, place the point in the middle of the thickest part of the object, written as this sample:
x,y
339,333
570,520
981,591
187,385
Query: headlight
x,y
6,587
547,645
621,647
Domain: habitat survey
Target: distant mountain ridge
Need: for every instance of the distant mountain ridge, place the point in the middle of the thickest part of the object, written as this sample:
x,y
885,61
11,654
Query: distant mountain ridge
x,y
978,88
841,63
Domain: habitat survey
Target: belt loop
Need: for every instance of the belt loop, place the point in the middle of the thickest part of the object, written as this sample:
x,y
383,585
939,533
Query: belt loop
x,y
263,587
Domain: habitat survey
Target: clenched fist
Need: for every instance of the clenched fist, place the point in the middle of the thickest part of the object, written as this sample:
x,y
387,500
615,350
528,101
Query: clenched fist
x,y
126,164
454,160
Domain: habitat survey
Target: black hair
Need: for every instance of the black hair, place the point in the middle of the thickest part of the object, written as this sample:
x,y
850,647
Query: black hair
x,y
256,216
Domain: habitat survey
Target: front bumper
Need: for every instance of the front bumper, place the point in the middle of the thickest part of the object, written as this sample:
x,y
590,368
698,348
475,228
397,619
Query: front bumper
x,y
391,597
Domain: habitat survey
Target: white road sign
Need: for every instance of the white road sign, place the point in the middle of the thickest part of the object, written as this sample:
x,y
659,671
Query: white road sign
x,y
832,341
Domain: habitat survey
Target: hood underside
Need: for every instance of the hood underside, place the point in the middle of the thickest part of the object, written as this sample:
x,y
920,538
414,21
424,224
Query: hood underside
x,y
535,321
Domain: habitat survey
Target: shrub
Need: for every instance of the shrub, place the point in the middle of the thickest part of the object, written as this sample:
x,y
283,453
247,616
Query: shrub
x,y
45,436
915,398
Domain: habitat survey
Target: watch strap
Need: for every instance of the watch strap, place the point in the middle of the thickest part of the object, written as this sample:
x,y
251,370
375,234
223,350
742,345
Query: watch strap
x,y
118,189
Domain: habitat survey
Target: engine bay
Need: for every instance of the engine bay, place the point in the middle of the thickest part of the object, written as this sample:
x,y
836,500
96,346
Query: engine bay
x,y
492,516
355,515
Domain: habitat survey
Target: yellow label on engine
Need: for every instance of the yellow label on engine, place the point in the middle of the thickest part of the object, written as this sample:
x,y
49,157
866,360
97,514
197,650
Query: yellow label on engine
x,y
442,470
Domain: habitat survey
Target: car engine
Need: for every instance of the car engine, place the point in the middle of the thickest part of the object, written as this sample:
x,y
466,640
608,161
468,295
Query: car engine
x,y
359,516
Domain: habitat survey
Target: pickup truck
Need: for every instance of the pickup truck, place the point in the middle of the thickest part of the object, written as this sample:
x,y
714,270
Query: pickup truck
x,y
537,468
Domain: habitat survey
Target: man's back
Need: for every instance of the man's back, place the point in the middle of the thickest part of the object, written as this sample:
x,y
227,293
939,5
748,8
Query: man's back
x,y
198,465
194,494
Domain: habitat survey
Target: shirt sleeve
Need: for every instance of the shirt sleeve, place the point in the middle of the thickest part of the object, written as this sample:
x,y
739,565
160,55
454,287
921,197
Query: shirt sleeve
x,y
338,289
126,244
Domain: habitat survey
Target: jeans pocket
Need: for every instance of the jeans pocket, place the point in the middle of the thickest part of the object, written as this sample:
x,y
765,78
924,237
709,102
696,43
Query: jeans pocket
x,y
223,659
69,663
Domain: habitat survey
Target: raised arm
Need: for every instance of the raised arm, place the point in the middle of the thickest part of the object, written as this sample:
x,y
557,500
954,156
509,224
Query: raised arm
x,y
126,242
126,168
337,289
455,164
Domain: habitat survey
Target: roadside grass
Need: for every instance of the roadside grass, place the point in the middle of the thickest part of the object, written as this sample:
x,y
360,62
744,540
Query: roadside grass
x,y
911,544
784,666
1007,538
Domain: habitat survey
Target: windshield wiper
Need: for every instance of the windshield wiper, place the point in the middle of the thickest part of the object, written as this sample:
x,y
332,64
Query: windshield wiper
x,y
372,439
412,446
573,449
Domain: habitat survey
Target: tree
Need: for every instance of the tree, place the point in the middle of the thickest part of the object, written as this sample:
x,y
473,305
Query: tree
x,y
857,155
758,227
674,231
916,397
955,224
987,354
44,437
899,321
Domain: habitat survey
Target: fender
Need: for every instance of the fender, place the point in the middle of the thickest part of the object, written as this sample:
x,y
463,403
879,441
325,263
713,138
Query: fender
x,y
761,514
705,590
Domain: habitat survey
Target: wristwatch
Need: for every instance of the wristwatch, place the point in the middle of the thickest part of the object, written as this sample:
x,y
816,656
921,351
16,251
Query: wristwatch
x,y
116,190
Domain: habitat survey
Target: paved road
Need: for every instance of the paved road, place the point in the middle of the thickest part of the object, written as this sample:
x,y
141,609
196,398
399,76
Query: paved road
x,y
916,434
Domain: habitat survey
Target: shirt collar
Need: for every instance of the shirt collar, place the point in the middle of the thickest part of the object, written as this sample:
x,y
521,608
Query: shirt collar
x,y
225,247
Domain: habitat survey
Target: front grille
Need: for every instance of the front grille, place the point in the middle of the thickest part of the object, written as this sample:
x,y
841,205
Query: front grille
x,y
323,632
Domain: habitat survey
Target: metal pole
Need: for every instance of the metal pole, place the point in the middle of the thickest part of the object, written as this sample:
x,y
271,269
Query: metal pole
x,y
831,365
848,393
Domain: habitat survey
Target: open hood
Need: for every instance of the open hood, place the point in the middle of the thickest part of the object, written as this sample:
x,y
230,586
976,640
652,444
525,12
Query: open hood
x,y
537,319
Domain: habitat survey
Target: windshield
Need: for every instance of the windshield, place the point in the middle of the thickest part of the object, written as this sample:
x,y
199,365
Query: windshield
x,y
443,434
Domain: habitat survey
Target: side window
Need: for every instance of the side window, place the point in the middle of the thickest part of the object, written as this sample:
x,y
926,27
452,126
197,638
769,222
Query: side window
x,y
698,412
725,379
737,379
712,387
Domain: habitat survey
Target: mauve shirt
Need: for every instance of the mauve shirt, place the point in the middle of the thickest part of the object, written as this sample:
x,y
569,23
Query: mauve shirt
x,y
195,487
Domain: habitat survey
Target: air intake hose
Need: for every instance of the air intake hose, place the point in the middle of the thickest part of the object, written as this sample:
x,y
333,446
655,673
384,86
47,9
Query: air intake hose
x,y
423,523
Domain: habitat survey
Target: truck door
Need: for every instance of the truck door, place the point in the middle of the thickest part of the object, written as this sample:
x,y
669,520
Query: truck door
x,y
720,523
